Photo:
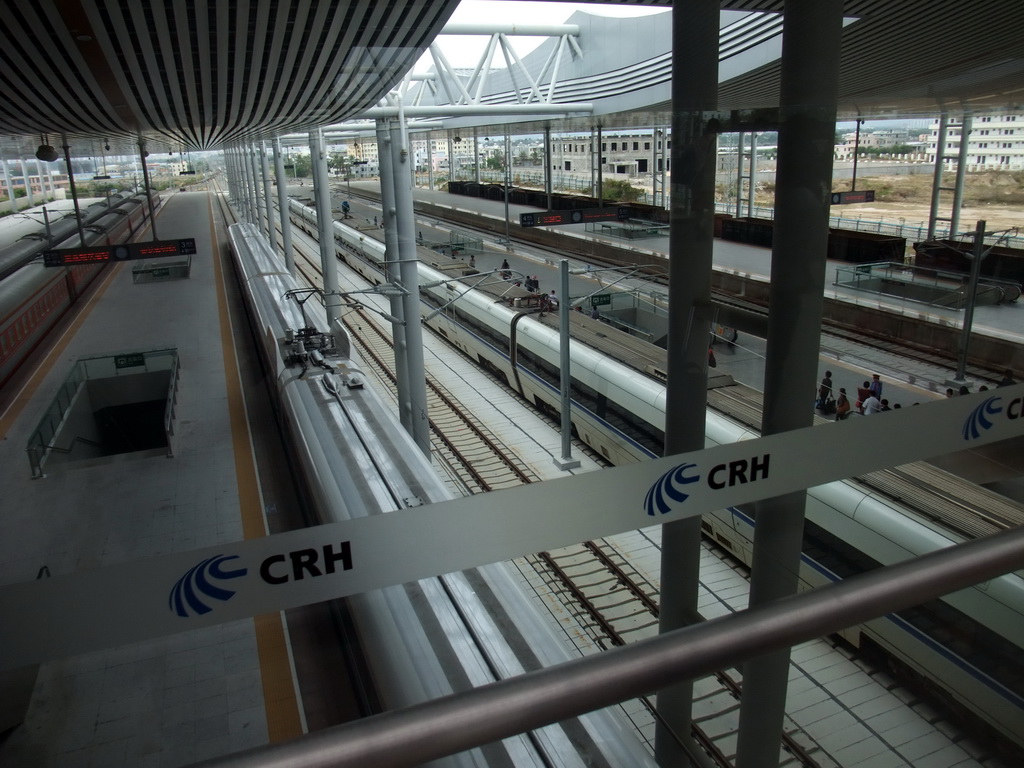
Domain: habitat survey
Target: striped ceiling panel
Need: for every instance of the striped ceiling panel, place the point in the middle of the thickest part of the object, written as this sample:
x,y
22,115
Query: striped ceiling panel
x,y
197,74
903,57
192,74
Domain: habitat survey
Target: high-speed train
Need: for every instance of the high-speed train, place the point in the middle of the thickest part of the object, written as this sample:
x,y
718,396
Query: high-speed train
x,y
33,298
98,218
965,648
435,636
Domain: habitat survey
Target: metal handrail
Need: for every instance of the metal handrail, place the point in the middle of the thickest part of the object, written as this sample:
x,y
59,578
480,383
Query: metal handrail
x,y
455,723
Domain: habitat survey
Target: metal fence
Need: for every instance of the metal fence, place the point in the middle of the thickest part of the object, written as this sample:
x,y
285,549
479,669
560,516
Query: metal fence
x,y
914,232
43,439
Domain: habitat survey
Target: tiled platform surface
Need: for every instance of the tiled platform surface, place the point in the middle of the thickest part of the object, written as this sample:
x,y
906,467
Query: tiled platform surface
x,y
164,702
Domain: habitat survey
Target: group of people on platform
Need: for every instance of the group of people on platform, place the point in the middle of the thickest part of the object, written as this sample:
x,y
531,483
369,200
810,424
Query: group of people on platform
x,y
869,399
869,396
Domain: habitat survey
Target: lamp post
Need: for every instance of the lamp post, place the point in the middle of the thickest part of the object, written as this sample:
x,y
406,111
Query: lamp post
x,y
979,252
565,380
565,383
508,187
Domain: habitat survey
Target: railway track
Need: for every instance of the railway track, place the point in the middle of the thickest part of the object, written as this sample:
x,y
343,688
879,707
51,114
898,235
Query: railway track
x,y
609,601
602,600
614,604
471,453
856,335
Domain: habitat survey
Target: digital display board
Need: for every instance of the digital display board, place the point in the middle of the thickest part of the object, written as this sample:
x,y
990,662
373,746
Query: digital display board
x,y
856,196
65,257
69,256
580,216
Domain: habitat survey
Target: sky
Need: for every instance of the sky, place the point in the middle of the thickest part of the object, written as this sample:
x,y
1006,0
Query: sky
x,y
463,51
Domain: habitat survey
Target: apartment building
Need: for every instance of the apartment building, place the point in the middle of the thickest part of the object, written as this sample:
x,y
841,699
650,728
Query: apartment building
x,y
996,141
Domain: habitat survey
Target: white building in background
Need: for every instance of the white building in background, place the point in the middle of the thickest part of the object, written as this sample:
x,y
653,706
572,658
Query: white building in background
x,y
436,155
879,139
631,154
364,150
996,141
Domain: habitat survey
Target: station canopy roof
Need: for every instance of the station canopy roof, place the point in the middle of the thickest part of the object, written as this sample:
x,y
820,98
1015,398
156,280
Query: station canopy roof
x,y
198,74
190,75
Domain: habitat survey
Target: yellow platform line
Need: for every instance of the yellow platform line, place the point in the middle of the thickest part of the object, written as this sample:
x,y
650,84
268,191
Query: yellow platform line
x,y
279,695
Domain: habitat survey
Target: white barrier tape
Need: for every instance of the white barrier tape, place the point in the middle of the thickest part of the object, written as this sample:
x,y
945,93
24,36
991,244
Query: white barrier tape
x,y
84,611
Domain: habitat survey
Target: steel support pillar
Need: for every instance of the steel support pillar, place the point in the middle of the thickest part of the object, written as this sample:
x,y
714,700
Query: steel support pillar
x,y
282,204
752,185
325,225
665,163
145,186
231,161
43,179
10,187
547,165
391,265
812,31
940,153
961,172
739,173
245,172
979,253
600,169
258,206
451,158
230,172
265,170
408,268
856,152
242,196
30,200
691,219
508,189
243,180
655,171
593,155
565,379
74,192
245,199
476,156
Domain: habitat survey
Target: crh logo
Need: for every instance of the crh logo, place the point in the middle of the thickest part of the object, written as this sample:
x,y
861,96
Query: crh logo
x,y
190,590
192,593
668,488
979,421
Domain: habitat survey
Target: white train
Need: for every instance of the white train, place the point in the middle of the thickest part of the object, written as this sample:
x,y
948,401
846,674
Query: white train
x,y
966,647
435,636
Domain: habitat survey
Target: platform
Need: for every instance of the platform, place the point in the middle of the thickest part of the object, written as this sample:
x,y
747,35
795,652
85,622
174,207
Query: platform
x,y
200,693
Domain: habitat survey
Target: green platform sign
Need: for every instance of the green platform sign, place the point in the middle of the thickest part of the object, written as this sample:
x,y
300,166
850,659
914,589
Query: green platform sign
x,y
132,360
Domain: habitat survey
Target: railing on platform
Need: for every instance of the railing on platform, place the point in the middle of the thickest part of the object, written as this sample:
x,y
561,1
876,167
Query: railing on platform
x,y
933,287
42,440
914,233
